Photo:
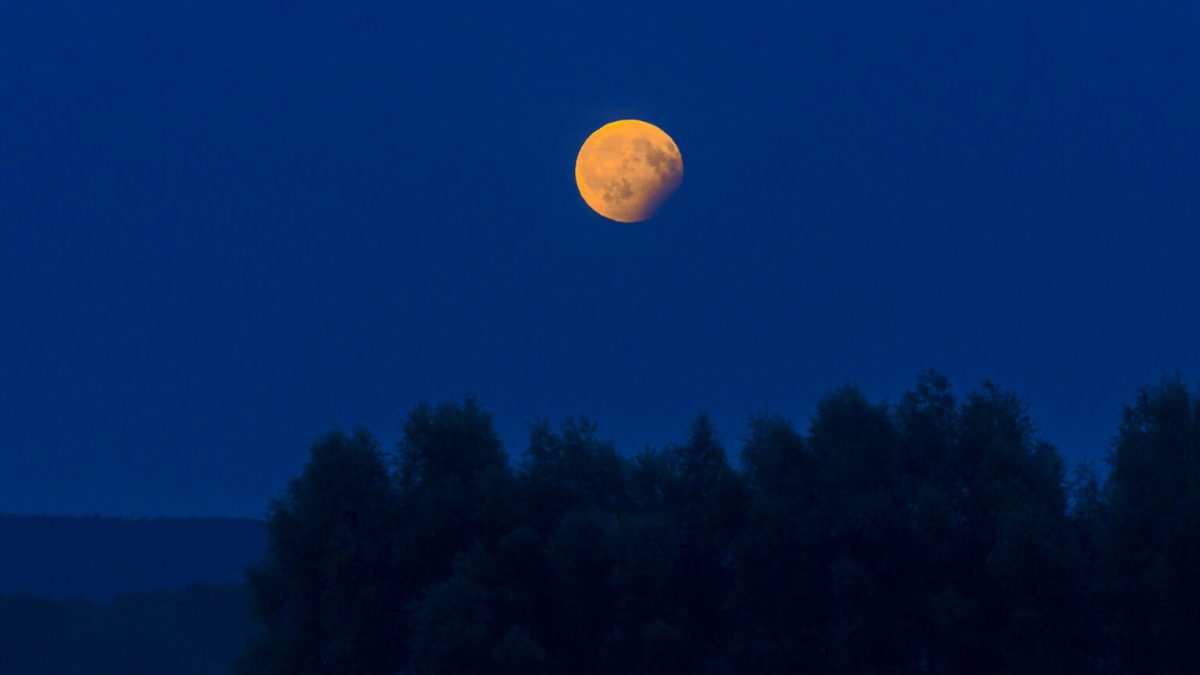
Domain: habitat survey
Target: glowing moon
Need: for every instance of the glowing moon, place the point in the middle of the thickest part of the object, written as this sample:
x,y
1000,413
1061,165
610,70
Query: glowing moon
x,y
627,169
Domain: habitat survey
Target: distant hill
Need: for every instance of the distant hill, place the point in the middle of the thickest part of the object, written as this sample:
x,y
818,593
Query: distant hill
x,y
100,558
197,631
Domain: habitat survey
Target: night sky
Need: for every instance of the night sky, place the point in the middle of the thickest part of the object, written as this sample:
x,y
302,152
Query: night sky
x,y
227,227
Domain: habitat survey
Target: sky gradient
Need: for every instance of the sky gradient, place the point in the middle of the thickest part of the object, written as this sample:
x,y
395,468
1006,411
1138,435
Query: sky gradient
x,y
228,227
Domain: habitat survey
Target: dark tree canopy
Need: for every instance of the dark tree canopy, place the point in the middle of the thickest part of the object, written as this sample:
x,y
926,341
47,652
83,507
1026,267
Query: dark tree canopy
x,y
935,535
327,590
1150,545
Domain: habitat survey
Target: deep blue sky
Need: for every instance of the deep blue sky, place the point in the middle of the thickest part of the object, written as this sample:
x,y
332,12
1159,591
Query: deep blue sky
x,y
226,227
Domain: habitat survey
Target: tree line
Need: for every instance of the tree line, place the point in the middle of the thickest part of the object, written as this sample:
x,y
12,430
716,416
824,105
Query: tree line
x,y
937,534
199,630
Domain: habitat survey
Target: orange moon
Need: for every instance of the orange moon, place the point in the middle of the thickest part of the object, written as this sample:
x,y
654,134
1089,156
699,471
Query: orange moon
x,y
627,169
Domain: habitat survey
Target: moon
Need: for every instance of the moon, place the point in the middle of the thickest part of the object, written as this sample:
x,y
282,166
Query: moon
x,y
627,169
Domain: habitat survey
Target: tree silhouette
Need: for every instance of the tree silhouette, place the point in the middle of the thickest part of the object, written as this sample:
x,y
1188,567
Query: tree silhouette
x,y
934,536
455,489
569,470
779,599
1152,545
327,591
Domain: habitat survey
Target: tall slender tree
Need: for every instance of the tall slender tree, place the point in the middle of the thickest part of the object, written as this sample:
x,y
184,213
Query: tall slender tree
x,y
327,591
1153,546
455,488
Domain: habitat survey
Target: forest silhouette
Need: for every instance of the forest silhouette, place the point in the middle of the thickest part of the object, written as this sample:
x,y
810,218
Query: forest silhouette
x,y
935,534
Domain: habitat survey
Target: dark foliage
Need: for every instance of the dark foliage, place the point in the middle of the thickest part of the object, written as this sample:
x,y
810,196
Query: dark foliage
x,y
1145,529
328,591
937,535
